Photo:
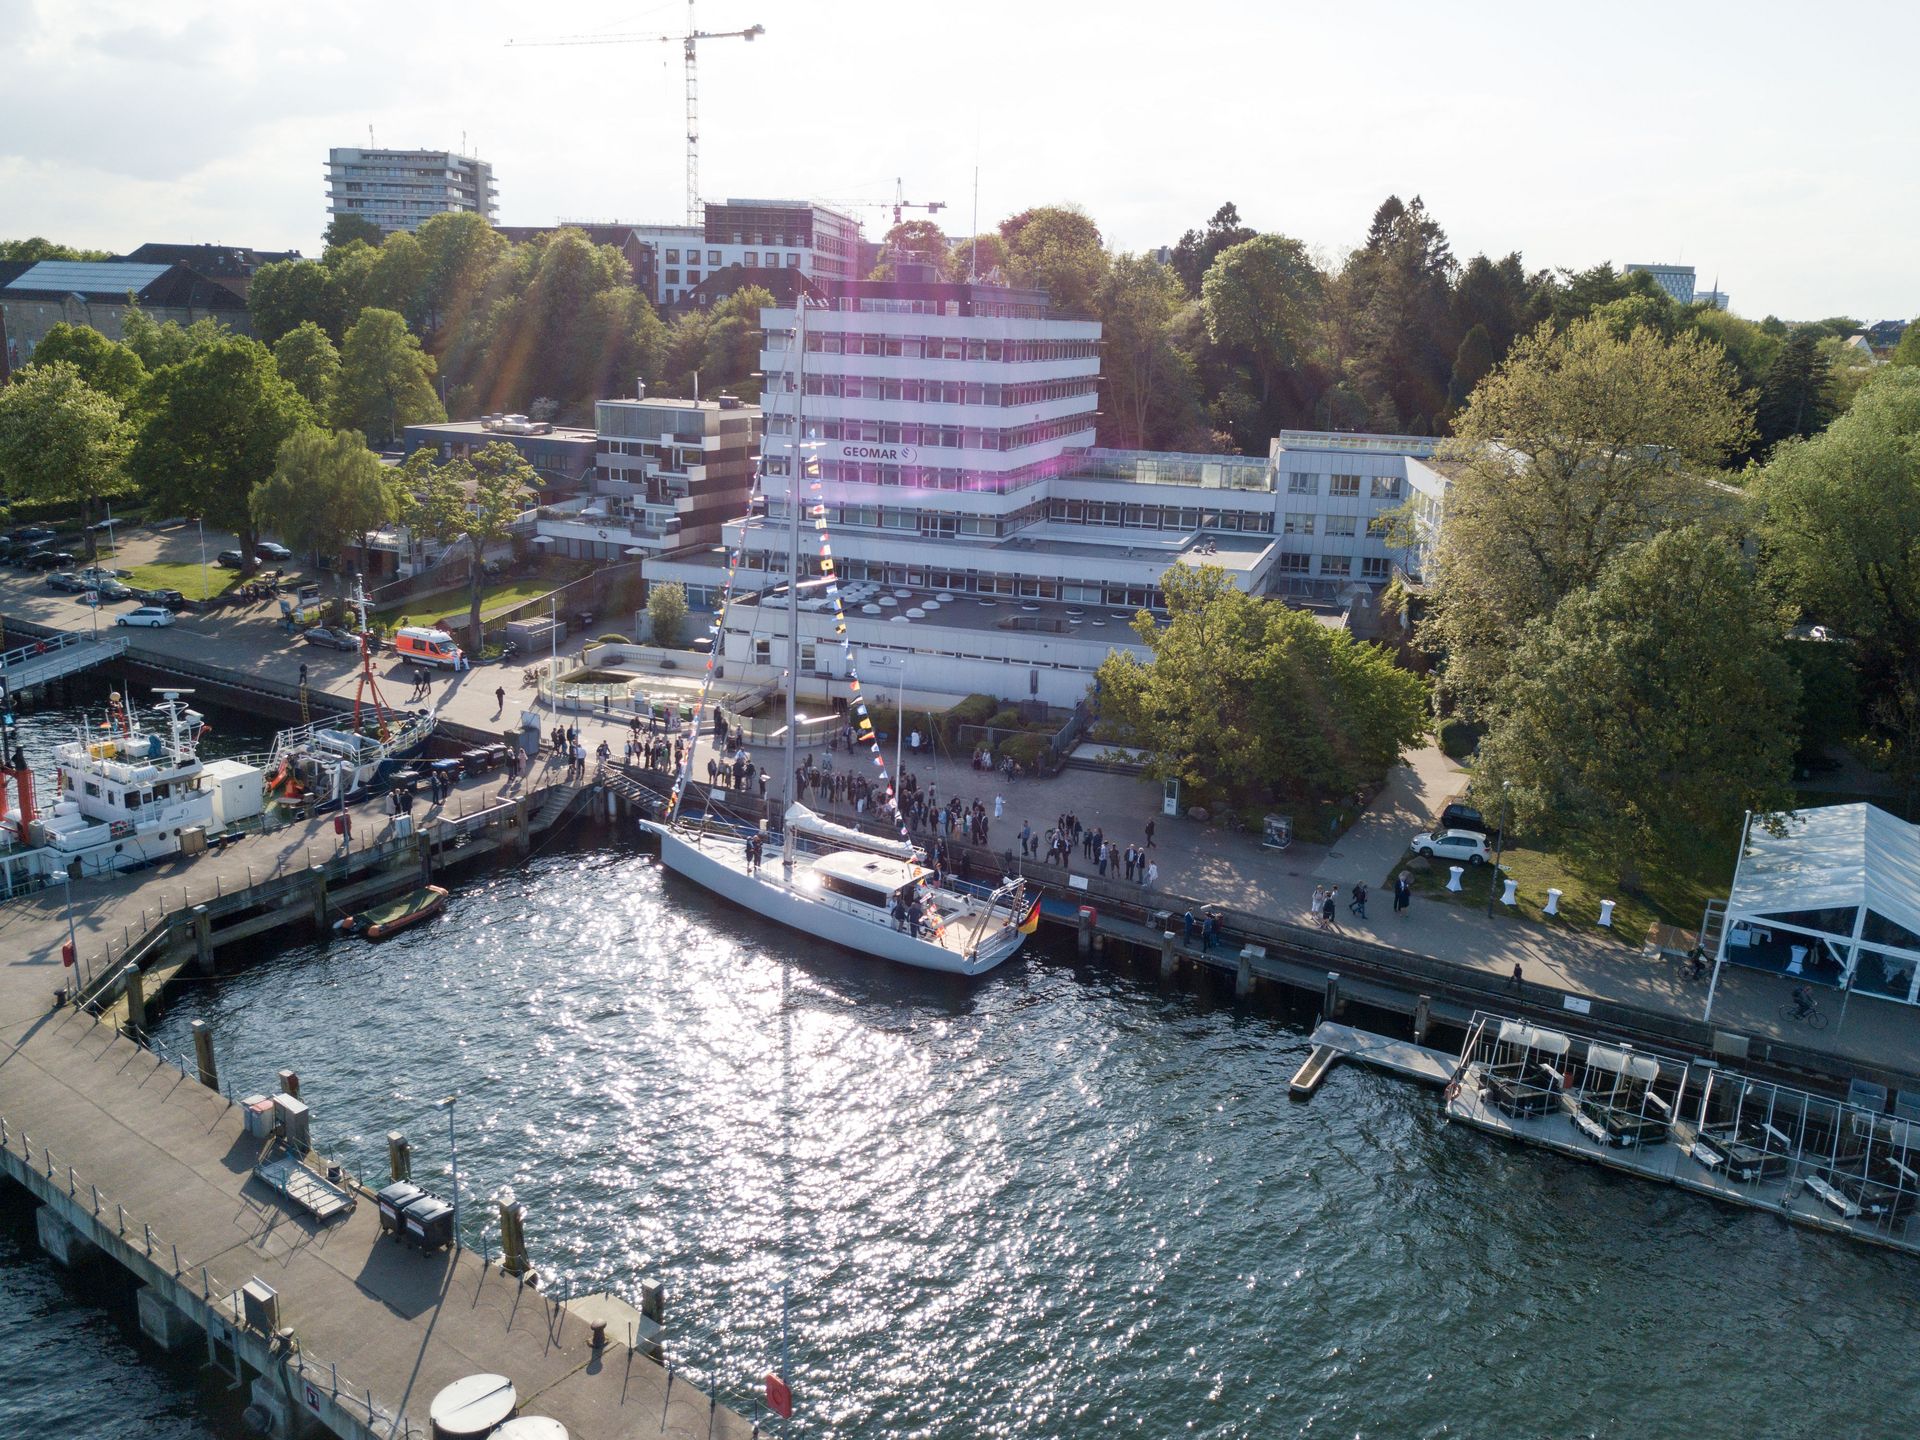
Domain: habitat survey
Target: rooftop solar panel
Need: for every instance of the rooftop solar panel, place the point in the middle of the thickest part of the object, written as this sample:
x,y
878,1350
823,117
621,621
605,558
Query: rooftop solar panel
x,y
87,276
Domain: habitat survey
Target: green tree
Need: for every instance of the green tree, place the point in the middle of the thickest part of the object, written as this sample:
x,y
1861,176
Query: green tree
x,y
344,230
979,256
159,345
290,293
921,240
461,251
306,357
1647,710
351,266
400,279
1581,444
1244,698
108,367
1150,402
1057,248
1263,298
212,430
1907,352
475,501
1393,308
667,612
60,439
386,380
1471,364
1198,249
327,493
1840,535
1500,297
38,247
1796,394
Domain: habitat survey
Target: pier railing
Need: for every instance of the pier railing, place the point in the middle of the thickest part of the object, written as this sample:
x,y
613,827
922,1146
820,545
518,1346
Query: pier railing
x,y
150,1255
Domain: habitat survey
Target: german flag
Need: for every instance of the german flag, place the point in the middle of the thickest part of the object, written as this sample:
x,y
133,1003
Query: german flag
x,y
1030,922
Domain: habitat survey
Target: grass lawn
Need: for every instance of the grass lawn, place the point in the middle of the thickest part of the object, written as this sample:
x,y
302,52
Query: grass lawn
x,y
187,579
1675,895
495,597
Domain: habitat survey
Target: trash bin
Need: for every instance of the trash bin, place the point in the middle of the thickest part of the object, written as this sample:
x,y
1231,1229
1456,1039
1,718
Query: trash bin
x,y
393,1201
427,1223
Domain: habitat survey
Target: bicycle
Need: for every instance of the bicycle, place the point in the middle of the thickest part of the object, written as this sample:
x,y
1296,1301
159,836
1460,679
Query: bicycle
x,y
1813,1015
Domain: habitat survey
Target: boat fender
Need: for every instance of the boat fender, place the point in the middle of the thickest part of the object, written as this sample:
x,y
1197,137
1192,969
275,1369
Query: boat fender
x,y
1452,1092
345,925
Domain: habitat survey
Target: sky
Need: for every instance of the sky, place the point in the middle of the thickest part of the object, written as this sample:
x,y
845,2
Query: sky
x,y
1773,146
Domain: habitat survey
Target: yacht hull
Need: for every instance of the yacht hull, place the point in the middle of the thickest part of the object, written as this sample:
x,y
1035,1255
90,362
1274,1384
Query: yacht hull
x,y
768,895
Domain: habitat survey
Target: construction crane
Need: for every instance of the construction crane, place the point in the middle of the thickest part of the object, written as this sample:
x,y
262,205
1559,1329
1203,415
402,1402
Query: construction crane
x,y
899,204
689,43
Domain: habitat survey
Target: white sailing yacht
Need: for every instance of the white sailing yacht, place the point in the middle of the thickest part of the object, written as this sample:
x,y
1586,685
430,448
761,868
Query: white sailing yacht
x,y
831,881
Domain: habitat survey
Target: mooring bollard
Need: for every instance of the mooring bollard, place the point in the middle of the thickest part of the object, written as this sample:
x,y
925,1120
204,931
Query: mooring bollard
x,y
1168,959
203,1055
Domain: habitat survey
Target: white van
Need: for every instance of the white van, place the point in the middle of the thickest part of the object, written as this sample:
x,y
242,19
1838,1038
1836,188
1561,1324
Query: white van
x,y
426,646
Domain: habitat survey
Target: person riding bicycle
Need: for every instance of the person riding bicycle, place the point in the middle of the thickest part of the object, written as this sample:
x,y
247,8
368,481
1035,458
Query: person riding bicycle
x,y
1802,1001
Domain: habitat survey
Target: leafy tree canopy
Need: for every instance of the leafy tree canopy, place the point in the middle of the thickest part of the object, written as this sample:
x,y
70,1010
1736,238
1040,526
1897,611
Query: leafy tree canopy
x,y
161,344
38,247
212,430
306,357
344,230
326,493
386,379
290,293
667,612
1582,443
1057,248
474,499
1244,699
110,368
1198,249
1646,709
60,439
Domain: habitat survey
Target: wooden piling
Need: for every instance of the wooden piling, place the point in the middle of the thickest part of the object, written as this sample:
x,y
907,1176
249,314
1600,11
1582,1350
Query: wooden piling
x,y
1168,957
203,1055
1422,1018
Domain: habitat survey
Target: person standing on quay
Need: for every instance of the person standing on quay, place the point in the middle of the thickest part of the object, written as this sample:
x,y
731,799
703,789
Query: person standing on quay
x,y
1402,893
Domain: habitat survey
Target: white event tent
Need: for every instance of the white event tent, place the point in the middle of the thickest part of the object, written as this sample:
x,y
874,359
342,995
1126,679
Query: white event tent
x,y
1833,897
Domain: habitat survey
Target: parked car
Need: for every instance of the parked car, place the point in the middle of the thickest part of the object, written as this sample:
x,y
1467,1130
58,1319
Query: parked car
x,y
1467,845
154,615
230,560
172,599
98,572
332,637
1460,814
49,560
112,590
268,550
31,535
66,583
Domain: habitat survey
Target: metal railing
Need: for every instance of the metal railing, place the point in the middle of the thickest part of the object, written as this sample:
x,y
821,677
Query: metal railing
x,y
219,1298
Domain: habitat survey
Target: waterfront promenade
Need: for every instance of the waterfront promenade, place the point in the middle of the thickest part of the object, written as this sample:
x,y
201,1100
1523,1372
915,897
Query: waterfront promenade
x,y
1199,864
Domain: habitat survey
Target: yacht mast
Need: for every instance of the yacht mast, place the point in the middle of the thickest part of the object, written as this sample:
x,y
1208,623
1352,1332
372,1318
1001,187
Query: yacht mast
x,y
796,473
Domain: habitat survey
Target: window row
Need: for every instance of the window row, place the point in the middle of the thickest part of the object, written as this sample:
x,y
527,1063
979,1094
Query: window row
x,y
928,524
942,437
1368,567
923,477
1114,595
1380,487
939,392
938,347
1158,517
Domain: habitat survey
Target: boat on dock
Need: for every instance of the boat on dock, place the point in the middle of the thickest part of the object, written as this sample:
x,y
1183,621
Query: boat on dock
x,y
327,763
395,915
124,796
1844,1166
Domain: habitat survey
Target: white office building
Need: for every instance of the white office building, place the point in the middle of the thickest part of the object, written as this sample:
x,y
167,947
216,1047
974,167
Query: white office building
x,y
398,189
980,534
1676,280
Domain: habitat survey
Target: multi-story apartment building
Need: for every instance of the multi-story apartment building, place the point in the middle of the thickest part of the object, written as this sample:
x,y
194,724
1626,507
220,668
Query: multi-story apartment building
x,y
670,473
397,189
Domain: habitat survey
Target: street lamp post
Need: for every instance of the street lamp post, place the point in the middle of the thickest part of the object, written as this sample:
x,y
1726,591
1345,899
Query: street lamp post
x,y
1500,841
453,1152
202,524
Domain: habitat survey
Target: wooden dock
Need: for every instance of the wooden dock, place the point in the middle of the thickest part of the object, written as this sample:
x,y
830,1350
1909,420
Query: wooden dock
x,y
1333,1043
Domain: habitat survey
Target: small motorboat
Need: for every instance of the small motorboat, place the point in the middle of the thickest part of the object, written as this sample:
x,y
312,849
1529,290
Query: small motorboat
x,y
396,915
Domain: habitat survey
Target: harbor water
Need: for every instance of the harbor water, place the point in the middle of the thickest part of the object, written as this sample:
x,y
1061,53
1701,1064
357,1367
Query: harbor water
x,y
1059,1201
